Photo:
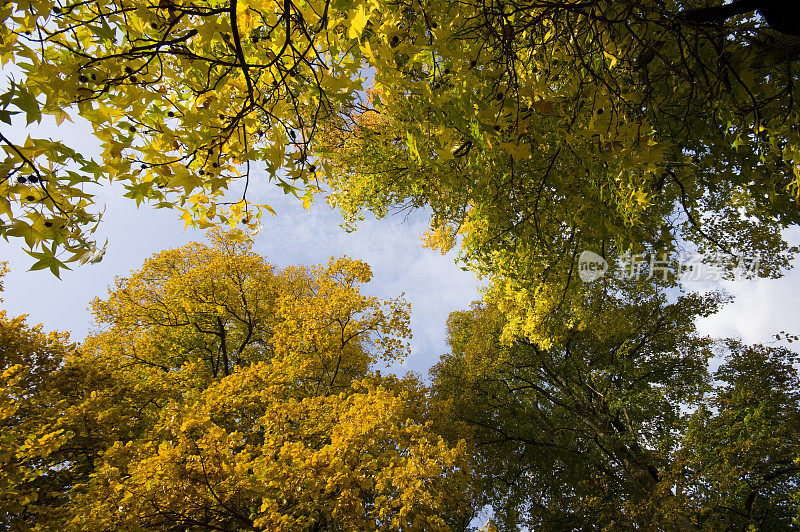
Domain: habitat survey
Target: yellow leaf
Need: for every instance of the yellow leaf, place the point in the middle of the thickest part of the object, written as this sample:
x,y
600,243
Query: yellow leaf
x,y
358,21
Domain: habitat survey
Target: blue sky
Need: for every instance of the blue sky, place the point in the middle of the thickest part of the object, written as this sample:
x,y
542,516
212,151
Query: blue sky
x,y
433,284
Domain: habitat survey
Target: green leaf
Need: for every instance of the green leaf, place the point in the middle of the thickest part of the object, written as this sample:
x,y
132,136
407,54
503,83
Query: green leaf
x,y
27,102
6,115
46,259
105,32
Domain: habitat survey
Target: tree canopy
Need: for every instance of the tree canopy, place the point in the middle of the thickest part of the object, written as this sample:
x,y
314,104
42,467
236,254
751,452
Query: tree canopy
x,y
625,427
538,130
183,98
543,125
255,405
222,393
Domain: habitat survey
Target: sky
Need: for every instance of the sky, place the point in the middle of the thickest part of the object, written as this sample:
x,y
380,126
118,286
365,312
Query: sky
x,y
435,285
432,283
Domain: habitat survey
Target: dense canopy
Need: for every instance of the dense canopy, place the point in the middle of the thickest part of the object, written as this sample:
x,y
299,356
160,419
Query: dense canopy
x,y
538,125
254,405
221,393
625,427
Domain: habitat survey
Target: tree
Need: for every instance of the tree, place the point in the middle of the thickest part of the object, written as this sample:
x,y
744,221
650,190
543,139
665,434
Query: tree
x,y
223,306
246,455
223,394
575,436
621,426
538,130
182,96
738,465
28,358
510,119
61,411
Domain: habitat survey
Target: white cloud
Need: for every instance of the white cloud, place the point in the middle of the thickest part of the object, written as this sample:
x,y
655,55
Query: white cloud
x,y
433,284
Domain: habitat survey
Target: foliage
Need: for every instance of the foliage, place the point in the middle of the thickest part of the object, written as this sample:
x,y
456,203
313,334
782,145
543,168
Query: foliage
x,y
540,125
740,452
222,393
575,435
225,394
621,426
182,96
537,130
248,455
224,306
28,357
